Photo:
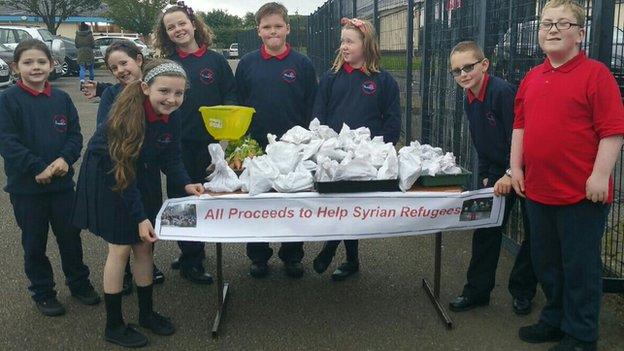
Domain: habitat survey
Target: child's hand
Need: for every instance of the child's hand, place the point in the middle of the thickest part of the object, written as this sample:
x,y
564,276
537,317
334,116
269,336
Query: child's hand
x,y
44,177
503,186
147,232
89,89
59,167
517,181
194,189
597,188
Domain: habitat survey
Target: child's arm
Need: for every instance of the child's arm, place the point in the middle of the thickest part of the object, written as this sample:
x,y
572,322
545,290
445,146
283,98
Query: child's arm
x,y
597,185
131,197
171,163
73,145
310,90
241,84
503,186
321,100
227,85
106,102
517,170
391,111
14,152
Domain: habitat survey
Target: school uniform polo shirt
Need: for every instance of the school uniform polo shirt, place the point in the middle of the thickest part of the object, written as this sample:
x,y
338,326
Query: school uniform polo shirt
x,y
565,112
280,88
490,116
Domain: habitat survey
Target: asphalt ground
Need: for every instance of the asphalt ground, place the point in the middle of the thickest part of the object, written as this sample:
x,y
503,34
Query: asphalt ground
x,y
383,308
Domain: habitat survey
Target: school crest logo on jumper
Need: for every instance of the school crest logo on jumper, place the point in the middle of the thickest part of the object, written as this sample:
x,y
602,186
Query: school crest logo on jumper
x,y
289,75
491,118
164,140
60,123
207,76
369,87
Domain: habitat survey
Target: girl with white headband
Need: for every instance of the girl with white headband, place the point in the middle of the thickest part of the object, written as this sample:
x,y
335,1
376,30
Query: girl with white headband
x,y
119,189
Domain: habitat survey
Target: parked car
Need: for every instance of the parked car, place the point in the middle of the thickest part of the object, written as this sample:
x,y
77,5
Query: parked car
x,y
70,64
6,55
10,36
102,42
6,78
233,52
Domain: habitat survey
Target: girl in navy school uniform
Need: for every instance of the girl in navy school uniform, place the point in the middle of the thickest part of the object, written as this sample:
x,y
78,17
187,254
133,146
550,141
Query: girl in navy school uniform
x,y
124,59
184,38
40,140
119,191
357,92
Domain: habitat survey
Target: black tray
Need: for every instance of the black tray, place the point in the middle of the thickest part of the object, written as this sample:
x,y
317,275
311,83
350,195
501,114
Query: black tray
x,y
446,179
356,186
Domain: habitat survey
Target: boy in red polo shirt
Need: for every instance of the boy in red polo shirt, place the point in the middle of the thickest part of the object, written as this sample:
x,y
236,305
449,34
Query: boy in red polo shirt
x,y
567,136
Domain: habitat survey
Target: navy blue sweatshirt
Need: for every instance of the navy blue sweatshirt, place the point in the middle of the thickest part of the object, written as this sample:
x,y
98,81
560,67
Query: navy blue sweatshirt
x,y
358,100
35,131
281,89
106,102
211,83
490,116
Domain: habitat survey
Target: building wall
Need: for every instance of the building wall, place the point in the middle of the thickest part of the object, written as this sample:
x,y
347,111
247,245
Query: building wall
x,y
392,28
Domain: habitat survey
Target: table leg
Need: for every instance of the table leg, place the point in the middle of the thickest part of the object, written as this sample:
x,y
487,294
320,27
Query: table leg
x,y
434,294
222,290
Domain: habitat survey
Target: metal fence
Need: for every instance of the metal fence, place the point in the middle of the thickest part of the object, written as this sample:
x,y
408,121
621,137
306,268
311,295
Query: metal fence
x,y
249,41
416,38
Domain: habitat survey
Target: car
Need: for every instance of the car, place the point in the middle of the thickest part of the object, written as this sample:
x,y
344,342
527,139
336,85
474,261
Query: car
x,y
70,65
6,78
233,51
102,42
10,36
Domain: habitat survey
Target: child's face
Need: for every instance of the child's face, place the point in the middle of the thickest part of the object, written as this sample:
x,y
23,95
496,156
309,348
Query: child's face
x,y
462,62
560,42
165,93
126,69
273,31
179,27
34,67
352,47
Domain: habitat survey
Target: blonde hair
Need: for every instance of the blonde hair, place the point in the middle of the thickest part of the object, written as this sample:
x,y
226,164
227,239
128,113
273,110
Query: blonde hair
x,y
272,8
370,48
203,33
125,128
468,46
577,10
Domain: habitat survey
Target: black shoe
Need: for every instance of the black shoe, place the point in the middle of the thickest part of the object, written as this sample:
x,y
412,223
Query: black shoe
x,y
345,270
522,307
259,269
294,269
175,264
87,296
540,333
321,263
158,275
126,336
464,303
196,275
158,324
127,284
50,307
569,343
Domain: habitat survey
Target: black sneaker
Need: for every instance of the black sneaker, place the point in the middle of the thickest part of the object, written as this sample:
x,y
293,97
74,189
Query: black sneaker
x,y
87,296
158,324
127,284
321,263
175,264
522,307
569,343
126,336
259,269
294,269
158,275
50,307
540,333
196,275
345,270
465,303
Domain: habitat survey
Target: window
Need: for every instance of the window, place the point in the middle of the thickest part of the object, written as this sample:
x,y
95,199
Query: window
x,y
22,35
45,34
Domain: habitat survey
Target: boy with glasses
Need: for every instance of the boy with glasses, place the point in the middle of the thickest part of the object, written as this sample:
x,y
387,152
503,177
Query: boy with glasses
x,y
567,137
489,107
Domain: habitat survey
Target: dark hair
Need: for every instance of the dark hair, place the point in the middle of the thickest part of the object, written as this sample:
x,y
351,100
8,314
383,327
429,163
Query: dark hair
x,y
125,46
272,8
31,44
83,26
203,33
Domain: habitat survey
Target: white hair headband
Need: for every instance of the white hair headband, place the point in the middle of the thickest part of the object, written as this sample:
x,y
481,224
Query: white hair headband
x,y
168,67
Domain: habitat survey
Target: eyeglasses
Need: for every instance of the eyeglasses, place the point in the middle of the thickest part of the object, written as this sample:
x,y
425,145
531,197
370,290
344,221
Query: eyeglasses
x,y
466,69
547,26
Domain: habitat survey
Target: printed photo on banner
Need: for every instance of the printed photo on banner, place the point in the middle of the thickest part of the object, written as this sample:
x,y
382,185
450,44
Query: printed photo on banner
x,y
476,209
180,215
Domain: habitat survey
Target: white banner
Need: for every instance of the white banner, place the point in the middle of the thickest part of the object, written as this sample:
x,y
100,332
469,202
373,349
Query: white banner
x,y
275,217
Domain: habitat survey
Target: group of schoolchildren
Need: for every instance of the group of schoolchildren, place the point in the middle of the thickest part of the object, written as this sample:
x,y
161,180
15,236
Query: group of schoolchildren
x,y
551,145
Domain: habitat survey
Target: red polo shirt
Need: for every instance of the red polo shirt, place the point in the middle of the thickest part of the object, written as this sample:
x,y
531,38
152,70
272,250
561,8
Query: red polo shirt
x,y
564,112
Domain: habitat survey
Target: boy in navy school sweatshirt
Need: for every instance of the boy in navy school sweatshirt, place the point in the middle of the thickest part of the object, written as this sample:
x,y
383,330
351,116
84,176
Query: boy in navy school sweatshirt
x,y
489,106
280,84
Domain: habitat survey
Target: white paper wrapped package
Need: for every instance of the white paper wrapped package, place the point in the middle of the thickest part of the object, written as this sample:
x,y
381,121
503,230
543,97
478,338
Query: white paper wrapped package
x,y
390,168
410,167
298,135
322,131
285,156
223,178
299,180
259,175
